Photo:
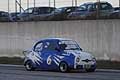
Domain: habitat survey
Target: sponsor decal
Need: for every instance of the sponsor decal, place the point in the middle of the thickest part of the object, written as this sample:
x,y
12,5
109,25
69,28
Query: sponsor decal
x,y
35,58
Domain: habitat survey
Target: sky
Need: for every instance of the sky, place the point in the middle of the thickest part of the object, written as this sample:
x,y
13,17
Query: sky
x,y
59,3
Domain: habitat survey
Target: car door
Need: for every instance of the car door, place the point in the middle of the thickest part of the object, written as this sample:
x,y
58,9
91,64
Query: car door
x,y
48,54
38,59
105,10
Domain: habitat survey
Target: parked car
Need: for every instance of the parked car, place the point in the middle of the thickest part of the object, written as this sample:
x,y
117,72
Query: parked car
x,y
92,10
4,16
116,13
116,8
36,13
14,16
58,54
61,13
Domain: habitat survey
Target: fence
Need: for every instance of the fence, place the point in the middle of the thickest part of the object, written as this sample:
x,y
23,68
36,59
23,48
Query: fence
x,y
11,5
19,6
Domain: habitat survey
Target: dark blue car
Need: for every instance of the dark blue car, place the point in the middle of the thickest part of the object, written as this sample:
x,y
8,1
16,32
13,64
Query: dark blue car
x,y
58,54
61,13
4,16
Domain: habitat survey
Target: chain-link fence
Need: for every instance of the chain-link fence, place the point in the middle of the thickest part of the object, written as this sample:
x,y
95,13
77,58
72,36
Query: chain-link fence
x,y
15,10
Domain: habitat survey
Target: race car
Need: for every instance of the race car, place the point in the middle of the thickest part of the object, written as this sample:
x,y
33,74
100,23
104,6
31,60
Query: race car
x,y
58,54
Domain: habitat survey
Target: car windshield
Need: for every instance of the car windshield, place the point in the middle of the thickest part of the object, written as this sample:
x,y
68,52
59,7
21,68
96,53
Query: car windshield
x,y
29,10
82,8
58,10
69,45
45,10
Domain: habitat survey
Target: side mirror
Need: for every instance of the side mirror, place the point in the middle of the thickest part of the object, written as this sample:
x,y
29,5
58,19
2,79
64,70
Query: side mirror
x,y
81,49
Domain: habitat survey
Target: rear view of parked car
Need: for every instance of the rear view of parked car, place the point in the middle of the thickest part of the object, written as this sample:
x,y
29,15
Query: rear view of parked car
x,y
4,16
116,13
36,13
94,10
14,16
61,13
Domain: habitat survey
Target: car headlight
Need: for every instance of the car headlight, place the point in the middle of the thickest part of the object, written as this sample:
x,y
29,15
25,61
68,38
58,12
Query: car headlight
x,y
94,59
78,59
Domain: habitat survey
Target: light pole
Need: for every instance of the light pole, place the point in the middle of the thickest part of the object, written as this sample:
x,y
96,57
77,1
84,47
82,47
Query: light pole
x,y
27,4
20,5
8,6
34,3
16,9
16,6
98,9
49,3
54,3
72,2
119,8
75,2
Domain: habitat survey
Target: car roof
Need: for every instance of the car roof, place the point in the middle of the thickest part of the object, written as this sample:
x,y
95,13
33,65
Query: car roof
x,y
55,39
41,7
3,12
68,7
87,3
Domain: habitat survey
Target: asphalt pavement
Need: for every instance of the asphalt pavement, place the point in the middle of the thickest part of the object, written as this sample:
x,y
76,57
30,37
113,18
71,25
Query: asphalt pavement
x,y
16,72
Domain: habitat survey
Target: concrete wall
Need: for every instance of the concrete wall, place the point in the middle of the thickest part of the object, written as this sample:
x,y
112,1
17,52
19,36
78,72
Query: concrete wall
x,y
100,37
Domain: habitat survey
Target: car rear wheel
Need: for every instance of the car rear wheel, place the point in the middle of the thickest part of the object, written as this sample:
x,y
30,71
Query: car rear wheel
x,y
28,66
63,67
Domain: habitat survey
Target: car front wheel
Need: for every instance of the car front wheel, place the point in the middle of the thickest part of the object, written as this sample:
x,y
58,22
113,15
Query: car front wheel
x,y
28,66
63,67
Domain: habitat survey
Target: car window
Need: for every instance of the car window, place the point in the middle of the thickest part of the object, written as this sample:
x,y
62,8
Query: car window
x,y
105,6
50,46
82,8
69,10
58,10
4,14
68,45
91,7
38,47
45,10
30,10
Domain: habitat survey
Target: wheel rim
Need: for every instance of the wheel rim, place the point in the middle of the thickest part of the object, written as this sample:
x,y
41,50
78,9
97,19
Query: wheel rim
x,y
28,66
63,67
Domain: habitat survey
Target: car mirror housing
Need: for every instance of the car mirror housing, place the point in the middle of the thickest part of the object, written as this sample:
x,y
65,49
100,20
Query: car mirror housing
x,y
81,49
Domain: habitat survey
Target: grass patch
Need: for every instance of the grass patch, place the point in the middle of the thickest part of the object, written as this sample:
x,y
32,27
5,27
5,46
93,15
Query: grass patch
x,y
11,60
104,64
101,64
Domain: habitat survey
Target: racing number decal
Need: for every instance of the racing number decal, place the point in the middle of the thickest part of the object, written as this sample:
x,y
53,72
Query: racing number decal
x,y
49,60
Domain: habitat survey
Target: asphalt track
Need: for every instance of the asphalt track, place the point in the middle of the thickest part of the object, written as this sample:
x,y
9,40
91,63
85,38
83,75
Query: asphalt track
x,y
15,72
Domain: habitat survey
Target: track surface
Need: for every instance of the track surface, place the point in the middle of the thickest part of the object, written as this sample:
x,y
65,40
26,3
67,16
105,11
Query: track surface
x,y
14,72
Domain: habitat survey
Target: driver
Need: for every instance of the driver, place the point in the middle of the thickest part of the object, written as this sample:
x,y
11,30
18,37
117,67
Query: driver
x,y
62,46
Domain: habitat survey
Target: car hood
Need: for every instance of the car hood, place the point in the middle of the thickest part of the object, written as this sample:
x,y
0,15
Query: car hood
x,y
83,55
86,55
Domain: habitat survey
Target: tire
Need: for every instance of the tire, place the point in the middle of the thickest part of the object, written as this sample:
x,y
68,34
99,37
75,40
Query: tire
x,y
63,67
90,70
28,66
